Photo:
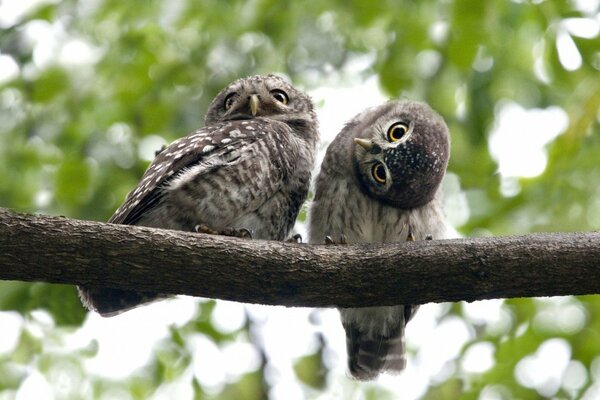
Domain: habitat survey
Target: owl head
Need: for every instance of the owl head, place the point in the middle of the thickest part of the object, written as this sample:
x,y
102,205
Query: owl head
x,y
401,151
267,96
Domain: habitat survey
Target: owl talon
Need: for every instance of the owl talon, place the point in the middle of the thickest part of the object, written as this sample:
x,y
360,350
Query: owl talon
x,y
202,228
239,233
429,237
342,240
297,238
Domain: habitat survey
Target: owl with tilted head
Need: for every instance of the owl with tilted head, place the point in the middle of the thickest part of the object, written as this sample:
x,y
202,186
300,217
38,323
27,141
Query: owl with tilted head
x,y
380,183
246,173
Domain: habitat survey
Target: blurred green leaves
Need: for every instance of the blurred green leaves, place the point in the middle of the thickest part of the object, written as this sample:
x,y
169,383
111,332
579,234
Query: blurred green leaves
x,y
74,120
60,301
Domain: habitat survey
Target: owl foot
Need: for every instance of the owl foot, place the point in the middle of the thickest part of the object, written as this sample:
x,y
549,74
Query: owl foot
x,y
410,237
297,238
330,241
234,232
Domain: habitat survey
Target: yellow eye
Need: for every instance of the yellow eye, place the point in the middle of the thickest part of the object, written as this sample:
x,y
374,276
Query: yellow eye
x,y
378,172
397,131
229,100
280,96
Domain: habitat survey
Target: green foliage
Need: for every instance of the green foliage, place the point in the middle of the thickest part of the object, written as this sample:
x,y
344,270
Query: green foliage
x,y
77,121
59,300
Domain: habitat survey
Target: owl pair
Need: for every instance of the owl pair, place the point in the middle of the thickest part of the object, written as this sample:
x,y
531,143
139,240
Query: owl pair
x,y
248,171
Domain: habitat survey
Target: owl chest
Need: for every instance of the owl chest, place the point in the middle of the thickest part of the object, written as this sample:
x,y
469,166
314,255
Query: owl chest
x,y
379,223
363,220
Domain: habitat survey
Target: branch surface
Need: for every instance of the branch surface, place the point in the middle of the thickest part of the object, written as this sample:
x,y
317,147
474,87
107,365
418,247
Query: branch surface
x,y
61,250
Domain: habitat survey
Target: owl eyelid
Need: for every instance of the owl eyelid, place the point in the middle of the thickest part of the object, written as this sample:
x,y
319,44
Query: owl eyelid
x,y
398,131
280,96
376,172
228,103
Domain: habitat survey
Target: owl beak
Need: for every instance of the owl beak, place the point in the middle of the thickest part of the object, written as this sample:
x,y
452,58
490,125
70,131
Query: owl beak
x,y
254,103
368,145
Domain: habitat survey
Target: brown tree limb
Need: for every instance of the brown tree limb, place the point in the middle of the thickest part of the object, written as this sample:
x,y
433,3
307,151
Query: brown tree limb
x,y
61,250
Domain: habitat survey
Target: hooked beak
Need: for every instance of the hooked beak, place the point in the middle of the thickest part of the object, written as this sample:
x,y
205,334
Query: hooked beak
x,y
254,103
368,145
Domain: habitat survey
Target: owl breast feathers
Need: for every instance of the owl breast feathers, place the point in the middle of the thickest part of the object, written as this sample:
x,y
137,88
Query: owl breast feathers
x,y
248,168
379,182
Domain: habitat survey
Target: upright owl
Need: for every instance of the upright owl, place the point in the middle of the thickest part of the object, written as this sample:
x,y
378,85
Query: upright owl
x,y
379,183
248,169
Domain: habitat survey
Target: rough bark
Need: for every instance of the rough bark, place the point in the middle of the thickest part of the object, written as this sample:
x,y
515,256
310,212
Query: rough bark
x,y
61,250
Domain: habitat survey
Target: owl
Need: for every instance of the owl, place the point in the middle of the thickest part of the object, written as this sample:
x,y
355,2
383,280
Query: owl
x,y
246,172
379,183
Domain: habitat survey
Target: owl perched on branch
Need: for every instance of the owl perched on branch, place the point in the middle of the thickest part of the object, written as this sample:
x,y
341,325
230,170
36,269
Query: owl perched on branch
x,y
379,182
246,173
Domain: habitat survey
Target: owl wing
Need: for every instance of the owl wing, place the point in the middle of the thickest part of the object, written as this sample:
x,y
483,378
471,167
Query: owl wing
x,y
210,146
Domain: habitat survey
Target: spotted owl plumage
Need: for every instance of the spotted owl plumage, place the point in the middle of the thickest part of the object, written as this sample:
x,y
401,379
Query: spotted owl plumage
x,y
379,182
248,168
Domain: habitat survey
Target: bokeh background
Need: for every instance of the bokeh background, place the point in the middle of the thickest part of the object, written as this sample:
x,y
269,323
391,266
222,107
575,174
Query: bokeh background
x,y
90,89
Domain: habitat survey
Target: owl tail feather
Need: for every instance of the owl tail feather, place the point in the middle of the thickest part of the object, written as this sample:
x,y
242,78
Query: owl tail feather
x,y
369,356
110,302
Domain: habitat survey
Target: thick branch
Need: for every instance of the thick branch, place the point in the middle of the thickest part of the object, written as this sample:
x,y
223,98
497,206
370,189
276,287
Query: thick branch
x,y
60,250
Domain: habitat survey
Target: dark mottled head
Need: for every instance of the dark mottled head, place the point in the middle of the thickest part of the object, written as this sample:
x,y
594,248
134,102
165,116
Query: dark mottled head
x,y
401,151
261,96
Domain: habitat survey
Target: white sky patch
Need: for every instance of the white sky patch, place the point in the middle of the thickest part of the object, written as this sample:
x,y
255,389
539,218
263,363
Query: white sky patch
x,y
76,52
587,6
587,28
35,386
149,145
12,324
575,376
51,44
12,11
9,69
565,316
478,358
568,54
126,341
228,316
441,344
208,363
240,358
517,141
544,369
46,40
284,332
178,389
489,313
340,104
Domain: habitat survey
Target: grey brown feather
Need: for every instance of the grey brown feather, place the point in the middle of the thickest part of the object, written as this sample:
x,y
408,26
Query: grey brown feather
x,y
351,201
248,168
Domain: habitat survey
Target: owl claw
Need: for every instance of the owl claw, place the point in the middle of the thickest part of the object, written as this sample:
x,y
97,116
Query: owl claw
x,y
201,228
297,238
242,233
429,237
330,241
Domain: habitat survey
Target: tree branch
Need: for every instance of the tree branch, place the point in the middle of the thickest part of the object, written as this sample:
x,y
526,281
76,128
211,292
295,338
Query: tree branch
x,y
61,250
